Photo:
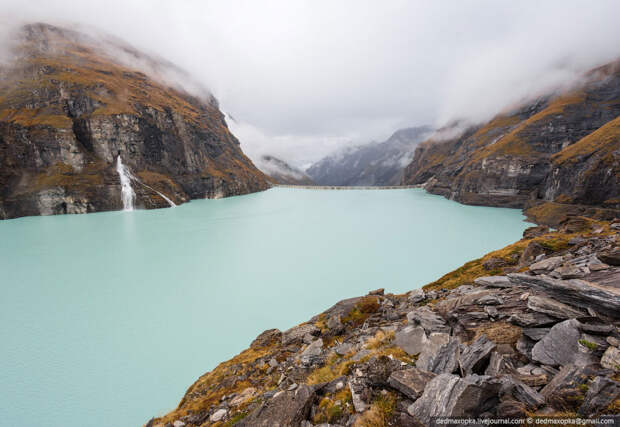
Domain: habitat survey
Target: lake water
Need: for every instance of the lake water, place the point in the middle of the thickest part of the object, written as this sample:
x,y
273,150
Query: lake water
x,y
107,318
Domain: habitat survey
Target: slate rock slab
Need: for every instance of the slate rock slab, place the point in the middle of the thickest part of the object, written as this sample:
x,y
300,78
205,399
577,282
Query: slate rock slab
x,y
410,382
450,395
474,358
561,346
284,409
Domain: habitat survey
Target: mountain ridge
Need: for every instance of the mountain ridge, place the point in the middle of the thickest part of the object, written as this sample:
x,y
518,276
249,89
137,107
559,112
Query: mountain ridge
x,y
562,148
376,163
281,172
67,110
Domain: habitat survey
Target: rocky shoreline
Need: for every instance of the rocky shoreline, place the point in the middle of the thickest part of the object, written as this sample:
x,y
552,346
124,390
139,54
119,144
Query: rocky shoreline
x,y
530,330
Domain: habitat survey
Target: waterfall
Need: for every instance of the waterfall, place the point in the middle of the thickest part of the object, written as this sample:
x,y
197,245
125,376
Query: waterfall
x,y
128,196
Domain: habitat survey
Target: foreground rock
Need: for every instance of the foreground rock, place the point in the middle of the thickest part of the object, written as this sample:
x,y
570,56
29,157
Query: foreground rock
x,y
514,345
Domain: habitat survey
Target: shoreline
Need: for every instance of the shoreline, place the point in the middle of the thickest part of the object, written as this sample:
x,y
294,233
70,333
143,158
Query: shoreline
x,y
323,370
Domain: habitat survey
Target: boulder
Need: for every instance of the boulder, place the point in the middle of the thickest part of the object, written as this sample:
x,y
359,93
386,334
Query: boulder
x,y
490,300
536,231
358,392
243,397
313,353
428,319
498,364
377,370
284,409
296,333
450,395
334,324
441,357
534,252
601,393
417,295
546,265
494,263
525,345
610,257
552,308
474,358
412,339
521,392
561,346
611,358
570,272
575,292
410,382
528,320
535,380
218,415
493,281
566,391
343,348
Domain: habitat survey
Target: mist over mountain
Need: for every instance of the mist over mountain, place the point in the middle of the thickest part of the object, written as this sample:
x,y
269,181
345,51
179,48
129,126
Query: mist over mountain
x,y
559,153
375,163
373,66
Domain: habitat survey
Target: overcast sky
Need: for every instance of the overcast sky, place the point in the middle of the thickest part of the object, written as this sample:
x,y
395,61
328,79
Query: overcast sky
x,y
304,77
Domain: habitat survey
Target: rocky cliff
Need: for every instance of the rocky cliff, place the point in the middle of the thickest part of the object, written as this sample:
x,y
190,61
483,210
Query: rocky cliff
x,y
376,163
71,104
528,331
562,148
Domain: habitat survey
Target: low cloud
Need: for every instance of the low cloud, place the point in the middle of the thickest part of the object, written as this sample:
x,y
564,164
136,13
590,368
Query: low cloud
x,y
304,78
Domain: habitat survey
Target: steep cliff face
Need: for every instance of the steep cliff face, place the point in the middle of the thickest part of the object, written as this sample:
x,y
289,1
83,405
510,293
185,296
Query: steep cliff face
x,y
69,108
376,163
563,148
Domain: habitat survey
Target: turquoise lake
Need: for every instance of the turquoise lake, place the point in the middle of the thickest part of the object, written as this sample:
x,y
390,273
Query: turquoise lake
x,y
106,319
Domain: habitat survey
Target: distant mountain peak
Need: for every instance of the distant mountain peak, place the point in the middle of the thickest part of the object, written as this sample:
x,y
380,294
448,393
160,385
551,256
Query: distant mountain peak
x,y
375,163
282,172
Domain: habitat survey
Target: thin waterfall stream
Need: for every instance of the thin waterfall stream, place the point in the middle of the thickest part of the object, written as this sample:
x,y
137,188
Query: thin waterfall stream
x,y
128,196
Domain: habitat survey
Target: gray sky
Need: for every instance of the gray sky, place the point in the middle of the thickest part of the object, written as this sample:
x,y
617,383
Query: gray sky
x,y
305,77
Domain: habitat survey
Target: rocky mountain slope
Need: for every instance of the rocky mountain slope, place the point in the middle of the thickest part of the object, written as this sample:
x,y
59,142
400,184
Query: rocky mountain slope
x,y
562,148
377,163
71,104
281,172
531,330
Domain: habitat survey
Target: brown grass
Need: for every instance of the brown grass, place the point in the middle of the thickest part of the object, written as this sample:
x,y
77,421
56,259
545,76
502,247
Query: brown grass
x,y
499,332
362,311
604,141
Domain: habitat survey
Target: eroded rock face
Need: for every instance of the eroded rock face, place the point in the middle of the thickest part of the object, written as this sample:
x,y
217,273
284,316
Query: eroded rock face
x,y
451,395
68,109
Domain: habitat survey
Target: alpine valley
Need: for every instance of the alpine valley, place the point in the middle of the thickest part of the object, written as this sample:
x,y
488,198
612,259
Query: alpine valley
x,y
450,305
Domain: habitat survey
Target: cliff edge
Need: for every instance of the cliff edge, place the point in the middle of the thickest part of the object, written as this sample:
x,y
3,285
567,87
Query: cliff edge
x,y
71,104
